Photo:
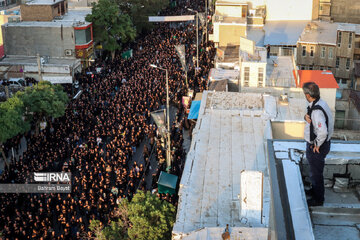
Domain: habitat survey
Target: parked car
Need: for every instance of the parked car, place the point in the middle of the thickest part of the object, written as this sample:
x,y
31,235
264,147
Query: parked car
x,y
16,82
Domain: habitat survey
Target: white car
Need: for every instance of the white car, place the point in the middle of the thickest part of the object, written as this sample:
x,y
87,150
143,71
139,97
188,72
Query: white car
x,y
16,82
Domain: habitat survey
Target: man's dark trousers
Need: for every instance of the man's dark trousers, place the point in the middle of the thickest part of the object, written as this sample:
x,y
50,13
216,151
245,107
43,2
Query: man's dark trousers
x,y
316,162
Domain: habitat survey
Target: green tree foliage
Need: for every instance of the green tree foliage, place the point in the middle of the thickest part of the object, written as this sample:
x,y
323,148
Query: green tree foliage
x,y
44,100
140,10
11,120
111,27
150,217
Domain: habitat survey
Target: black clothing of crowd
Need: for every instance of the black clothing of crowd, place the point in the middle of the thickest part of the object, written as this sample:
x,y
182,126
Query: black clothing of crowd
x,y
96,137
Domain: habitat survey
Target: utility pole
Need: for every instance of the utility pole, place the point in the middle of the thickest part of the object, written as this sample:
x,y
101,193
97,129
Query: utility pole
x,y
39,66
206,20
197,42
168,140
168,147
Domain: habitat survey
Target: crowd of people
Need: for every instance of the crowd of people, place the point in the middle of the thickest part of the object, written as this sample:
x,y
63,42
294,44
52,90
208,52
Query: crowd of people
x,y
96,138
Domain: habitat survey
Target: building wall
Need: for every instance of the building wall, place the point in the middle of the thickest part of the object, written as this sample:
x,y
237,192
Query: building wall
x,y
317,61
253,73
36,12
230,34
47,41
345,11
289,9
231,10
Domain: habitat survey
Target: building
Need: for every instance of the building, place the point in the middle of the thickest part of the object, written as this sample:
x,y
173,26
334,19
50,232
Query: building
x,y
337,10
330,46
62,38
225,179
231,20
43,10
338,218
5,16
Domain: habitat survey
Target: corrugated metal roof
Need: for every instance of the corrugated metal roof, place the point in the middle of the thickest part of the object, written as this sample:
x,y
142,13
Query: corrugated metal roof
x,y
284,33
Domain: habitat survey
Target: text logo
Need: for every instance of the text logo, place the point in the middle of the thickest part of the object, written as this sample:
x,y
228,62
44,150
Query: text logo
x,y
52,177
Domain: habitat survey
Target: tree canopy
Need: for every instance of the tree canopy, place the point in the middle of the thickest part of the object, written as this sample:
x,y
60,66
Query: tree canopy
x,y
11,119
111,27
145,217
151,218
44,100
140,10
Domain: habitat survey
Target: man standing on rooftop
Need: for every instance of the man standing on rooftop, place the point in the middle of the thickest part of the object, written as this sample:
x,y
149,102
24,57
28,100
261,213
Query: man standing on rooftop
x,y
318,131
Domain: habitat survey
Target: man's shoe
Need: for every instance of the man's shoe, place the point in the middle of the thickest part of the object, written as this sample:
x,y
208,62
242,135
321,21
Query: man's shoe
x,y
313,203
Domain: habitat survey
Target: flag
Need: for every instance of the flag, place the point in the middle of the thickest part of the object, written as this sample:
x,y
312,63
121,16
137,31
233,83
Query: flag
x,y
159,119
180,49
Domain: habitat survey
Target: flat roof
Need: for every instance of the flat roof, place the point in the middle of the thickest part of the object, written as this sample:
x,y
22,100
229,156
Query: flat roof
x,y
279,72
11,60
258,56
42,2
283,32
324,79
229,137
320,32
70,19
217,74
231,2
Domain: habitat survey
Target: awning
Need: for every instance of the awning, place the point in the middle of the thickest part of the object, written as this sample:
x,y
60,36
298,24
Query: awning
x,y
167,183
57,79
194,110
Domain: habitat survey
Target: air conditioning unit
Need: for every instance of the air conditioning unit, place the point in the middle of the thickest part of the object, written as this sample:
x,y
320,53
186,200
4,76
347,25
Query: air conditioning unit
x,y
68,52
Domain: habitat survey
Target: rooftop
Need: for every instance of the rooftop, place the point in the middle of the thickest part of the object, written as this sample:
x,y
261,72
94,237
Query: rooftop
x,y
279,72
228,19
283,32
319,32
258,56
324,79
228,140
70,19
11,60
231,2
43,2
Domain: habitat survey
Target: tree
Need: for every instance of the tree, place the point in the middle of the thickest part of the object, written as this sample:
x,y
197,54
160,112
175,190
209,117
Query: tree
x,y
44,100
150,217
11,120
140,10
111,27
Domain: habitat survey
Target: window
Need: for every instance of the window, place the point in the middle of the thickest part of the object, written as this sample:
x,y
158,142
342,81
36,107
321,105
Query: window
x,y
337,62
246,76
323,49
302,67
304,51
348,64
331,53
321,7
311,51
311,67
339,39
260,77
82,36
321,68
350,40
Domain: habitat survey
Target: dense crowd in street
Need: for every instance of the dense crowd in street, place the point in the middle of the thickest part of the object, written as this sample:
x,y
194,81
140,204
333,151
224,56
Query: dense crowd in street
x,y
96,138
